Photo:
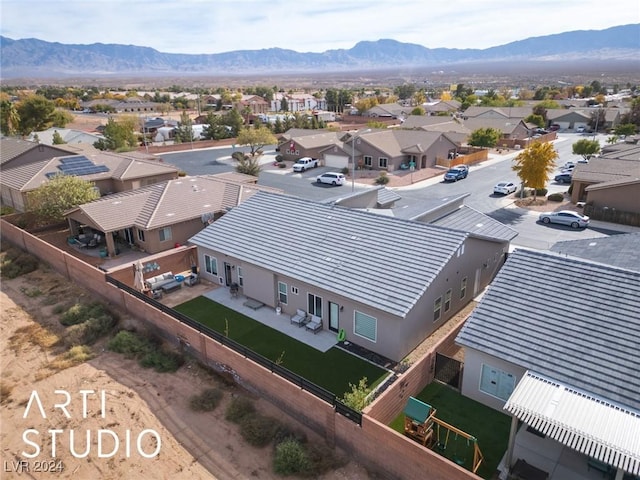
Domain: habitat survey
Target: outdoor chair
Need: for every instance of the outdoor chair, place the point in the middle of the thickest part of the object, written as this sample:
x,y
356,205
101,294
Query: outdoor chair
x,y
300,318
314,324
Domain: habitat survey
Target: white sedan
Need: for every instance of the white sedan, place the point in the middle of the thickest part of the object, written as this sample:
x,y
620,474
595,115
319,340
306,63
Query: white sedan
x,y
565,217
505,188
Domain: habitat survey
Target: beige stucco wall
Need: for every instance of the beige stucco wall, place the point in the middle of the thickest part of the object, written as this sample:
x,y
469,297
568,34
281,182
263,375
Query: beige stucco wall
x,y
621,197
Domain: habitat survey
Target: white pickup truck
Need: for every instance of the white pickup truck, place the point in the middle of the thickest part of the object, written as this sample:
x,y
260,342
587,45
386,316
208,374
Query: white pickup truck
x,y
305,163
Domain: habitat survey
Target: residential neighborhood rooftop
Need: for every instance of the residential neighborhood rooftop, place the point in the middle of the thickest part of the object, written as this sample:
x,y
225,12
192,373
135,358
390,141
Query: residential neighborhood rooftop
x,y
573,321
617,250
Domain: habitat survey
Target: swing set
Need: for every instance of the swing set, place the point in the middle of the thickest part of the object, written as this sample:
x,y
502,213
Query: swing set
x,y
422,425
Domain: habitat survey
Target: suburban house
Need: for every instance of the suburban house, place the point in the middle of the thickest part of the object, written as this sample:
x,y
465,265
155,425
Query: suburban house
x,y
254,103
554,343
609,181
111,172
128,105
441,107
159,216
616,250
322,144
394,149
511,129
297,102
387,282
68,135
498,113
388,110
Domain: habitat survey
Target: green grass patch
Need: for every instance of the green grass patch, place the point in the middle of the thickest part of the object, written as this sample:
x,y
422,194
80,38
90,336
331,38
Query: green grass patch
x,y
489,426
332,370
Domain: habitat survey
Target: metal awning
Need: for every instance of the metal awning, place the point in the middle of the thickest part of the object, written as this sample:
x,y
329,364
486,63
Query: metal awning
x,y
581,421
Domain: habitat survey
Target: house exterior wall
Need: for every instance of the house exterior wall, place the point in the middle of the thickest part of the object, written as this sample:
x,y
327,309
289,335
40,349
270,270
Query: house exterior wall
x,y
14,198
180,234
395,337
473,361
620,197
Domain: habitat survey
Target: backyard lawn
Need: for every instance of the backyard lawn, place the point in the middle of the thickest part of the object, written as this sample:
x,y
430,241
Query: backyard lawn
x,y
490,427
332,370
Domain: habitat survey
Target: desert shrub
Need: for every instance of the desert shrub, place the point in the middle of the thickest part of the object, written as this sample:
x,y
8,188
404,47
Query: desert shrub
x,y
291,458
130,344
357,397
383,179
74,356
239,408
6,210
5,391
162,361
283,432
541,192
279,158
258,430
207,401
17,262
79,313
58,309
238,156
345,171
90,331
555,197
323,459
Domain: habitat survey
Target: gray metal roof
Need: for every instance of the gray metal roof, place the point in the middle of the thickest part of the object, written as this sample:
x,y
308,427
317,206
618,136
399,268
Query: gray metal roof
x,y
467,219
383,262
616,250
573,321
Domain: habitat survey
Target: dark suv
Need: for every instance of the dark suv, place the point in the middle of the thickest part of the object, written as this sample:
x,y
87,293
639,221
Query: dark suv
x,y
456,173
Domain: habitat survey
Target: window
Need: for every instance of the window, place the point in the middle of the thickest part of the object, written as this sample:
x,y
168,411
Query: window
x,y
447,300
294,290
365,325
437,309
368,161
463,287
165,234
315,305
141,235
210,265
496,383
382,162
282,293
240,277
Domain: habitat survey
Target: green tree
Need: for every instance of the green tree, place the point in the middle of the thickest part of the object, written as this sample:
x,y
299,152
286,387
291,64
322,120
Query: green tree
x,y
57,138
535,119
184,131
535,164
357,397
256,138
35,113
625,129
60,194
484,137
9,118
60,118
418,111
585,147
633,115
284,105
233,120
405,91
119,136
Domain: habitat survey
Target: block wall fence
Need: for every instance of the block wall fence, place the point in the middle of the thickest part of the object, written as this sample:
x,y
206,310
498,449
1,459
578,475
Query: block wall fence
x,y
373,443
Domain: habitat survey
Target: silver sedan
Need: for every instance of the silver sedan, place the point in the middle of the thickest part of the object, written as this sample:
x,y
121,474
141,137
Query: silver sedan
x,y
565,217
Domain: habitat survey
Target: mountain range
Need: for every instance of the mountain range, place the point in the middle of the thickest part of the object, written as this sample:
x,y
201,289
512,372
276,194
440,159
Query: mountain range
x,y
35,58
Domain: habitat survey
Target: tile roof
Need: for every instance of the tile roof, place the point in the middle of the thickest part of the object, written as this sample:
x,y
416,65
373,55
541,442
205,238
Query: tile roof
x,y
617,250
467,219
11,148
574,321
167,203
606,169
379,261
397,142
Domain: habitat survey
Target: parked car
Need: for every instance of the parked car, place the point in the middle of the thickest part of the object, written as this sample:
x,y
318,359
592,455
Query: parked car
x,y
568,170
568,165
305,163
563,178
332,178
554,127
505,188
565,217
456,173
581,129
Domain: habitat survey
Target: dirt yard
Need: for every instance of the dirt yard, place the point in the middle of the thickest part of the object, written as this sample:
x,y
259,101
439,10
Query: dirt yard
x,y
152,406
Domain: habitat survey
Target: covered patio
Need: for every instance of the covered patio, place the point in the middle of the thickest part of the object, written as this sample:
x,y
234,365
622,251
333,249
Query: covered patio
x,y
566,434
322,340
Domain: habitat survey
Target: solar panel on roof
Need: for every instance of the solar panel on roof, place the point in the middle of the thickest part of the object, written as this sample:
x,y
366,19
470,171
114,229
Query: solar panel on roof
x,y
79,165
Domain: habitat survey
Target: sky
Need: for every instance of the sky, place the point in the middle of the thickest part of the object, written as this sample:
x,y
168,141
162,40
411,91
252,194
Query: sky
x,y
214,26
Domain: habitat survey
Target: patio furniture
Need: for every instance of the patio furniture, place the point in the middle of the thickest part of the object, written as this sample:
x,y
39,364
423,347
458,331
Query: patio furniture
x,y
253,304
300,318
314,324
523,471
233,289
155,283
171,286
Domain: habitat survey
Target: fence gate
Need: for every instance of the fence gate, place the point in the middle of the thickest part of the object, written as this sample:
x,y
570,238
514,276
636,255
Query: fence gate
x,y
448,370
